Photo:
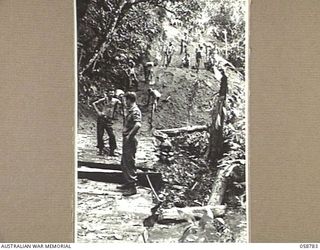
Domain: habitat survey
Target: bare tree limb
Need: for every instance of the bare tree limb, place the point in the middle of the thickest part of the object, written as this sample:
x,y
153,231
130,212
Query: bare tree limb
x,y
165,8
123,7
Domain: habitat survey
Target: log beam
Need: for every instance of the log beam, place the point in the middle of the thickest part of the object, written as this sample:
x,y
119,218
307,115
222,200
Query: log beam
x,y
177,131
111,166
116,176
176,214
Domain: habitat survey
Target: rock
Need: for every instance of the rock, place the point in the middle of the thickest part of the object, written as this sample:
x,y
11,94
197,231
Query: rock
x,y
166,146
118,237
170,159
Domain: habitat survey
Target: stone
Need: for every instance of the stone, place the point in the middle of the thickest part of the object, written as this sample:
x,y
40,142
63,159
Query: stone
x,y
166,145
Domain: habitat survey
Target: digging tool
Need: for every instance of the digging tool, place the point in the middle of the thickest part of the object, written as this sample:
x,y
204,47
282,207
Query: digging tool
x,y
153,191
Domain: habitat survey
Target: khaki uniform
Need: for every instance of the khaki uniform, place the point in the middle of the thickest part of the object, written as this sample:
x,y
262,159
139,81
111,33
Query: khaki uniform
x,y
129,147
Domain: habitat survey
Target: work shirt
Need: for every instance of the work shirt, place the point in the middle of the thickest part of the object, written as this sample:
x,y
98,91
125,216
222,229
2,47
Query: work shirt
x,y
133,116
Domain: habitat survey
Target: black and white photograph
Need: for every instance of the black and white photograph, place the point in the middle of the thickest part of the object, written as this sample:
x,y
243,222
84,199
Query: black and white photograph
x,y
161,126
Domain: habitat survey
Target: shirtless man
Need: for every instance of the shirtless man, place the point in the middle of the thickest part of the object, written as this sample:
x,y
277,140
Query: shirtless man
x,y
105,110
118,109
153,95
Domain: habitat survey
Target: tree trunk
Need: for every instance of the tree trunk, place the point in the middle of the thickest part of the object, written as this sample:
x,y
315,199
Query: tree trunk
x,y
108,40
216,132
189,213
216,144
177,131
218,189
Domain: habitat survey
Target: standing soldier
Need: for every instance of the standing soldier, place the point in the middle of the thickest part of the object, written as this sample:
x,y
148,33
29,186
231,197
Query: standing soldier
x,y
149,75
198,57
186,60
184,42
132,74
131,127
168,53
104,122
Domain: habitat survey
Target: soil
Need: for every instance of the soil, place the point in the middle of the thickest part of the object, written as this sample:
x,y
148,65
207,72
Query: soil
x,y
103,215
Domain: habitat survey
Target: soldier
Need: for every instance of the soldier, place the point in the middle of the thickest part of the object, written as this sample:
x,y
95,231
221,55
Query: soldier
x,y
153,95
132,74
168,53
118,109
132,125
186,60
104,123
149,77
198,57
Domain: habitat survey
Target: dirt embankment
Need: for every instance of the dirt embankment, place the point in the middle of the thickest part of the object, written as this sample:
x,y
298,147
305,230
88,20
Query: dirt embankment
x,y
176,84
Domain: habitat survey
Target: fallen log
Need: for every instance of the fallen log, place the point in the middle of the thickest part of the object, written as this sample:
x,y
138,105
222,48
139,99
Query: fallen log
x,y
111,166
177,214
218,188
177,131
159,135
116,176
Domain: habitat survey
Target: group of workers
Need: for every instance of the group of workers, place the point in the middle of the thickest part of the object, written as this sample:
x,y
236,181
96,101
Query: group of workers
x,y
117,101
206,54
105,108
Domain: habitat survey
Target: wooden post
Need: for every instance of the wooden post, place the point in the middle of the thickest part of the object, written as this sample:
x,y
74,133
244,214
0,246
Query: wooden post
x,y
216,132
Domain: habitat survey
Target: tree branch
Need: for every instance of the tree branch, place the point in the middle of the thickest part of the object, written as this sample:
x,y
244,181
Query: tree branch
x,y
165,8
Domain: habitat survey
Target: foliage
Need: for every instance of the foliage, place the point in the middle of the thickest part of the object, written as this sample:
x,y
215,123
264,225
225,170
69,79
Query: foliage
x,y
110,32
230,16
187,11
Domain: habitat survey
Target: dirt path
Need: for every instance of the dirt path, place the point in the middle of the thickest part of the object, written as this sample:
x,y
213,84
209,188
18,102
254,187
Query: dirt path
x,y
104,215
